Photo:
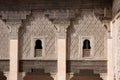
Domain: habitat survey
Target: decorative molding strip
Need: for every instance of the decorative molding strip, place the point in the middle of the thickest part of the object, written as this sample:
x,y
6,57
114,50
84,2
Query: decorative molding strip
x,y
60,14
14,15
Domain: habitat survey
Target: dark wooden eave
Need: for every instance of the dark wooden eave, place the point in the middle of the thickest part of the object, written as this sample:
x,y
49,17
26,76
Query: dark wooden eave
x,y
53,4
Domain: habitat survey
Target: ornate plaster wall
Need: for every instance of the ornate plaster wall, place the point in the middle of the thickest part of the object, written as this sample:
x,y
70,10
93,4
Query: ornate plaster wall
x,y
37,26
87,26
90,27
4,41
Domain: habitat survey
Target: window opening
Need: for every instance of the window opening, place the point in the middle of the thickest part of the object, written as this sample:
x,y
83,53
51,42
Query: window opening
x,y
38,48
86,48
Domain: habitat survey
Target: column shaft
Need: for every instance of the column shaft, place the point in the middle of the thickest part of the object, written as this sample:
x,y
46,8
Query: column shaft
x,y
61,59
110,65
61,51
13,59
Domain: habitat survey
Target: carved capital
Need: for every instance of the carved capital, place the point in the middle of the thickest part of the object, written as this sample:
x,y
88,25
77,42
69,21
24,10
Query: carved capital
x,y
61,29
106,24
14,28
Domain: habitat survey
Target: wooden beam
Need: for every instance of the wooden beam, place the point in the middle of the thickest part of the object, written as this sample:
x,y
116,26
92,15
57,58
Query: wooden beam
x,y
53,4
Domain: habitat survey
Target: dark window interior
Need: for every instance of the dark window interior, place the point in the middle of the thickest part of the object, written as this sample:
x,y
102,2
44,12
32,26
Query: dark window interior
x,y
86,48
86,44
38,48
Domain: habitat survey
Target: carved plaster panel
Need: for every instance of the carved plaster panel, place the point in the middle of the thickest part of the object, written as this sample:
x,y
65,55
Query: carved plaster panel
x,y
37,25
4,41
88,25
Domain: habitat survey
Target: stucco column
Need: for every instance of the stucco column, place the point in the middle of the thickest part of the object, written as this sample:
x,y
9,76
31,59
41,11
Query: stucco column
x,y
14,65
110,57
61,51
110,65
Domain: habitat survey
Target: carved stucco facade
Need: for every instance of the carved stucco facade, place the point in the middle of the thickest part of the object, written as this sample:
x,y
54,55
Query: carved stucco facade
x,y
87,26
39,26
49,26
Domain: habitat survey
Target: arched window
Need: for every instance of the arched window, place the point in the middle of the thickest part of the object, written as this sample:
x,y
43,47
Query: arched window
x,y
38,48
86,48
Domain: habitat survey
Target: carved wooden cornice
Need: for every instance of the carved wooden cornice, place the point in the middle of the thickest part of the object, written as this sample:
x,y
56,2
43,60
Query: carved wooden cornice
x,y
13,21
14,15
103,14
60,16
53,4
